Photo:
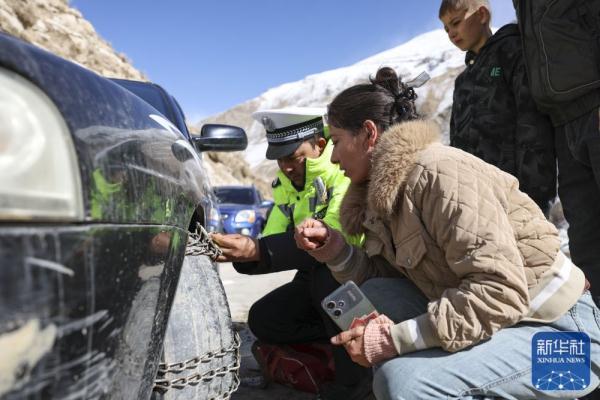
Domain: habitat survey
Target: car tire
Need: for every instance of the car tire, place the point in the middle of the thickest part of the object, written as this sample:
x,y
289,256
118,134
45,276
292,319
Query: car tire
x,y
199,323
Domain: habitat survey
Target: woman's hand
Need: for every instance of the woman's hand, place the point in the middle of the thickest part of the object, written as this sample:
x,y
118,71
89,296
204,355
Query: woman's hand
x,y
311,234
353,342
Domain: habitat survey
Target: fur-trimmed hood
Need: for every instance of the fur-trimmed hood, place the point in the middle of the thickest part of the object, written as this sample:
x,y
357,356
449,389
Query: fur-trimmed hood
x,y
394,157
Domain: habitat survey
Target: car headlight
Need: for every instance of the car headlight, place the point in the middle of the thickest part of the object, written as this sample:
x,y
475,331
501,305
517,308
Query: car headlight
x,y
213,219
245,216
214,215
40,176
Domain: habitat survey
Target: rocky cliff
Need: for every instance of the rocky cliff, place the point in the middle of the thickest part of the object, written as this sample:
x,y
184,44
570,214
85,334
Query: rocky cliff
x,y
61,29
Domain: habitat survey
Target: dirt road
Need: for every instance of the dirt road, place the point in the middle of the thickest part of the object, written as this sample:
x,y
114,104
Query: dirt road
x,y
242,291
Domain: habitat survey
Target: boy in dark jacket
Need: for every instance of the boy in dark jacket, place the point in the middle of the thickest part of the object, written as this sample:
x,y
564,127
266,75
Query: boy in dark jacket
x,y
561,43
493,114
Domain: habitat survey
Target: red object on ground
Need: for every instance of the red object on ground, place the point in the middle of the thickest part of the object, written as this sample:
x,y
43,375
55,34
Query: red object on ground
x,y
300,366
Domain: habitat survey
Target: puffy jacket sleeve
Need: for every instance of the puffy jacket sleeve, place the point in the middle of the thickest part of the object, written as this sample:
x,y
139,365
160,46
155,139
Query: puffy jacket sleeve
x,y
354,264
535,158
469,223
351,262
460,117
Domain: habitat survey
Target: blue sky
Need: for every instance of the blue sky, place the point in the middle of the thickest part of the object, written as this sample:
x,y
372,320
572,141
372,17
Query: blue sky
x,y
212,55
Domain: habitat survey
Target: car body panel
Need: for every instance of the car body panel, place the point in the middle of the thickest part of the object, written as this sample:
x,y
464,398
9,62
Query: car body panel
x,y
158,98
119,145
84,305
80,319
166,104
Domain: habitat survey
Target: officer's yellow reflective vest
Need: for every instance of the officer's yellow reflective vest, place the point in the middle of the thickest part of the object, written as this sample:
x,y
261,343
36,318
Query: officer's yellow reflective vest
x,y
292,206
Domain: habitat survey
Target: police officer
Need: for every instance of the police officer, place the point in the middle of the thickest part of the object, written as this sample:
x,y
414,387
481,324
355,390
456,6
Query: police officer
x,y
307,185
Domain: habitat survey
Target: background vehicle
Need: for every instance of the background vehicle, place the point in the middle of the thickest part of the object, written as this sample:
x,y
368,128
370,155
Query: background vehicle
x,y
98,191
243,209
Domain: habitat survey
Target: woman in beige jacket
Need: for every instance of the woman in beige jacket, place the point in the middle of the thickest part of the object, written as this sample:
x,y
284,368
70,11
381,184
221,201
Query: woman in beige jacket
x,y
462,266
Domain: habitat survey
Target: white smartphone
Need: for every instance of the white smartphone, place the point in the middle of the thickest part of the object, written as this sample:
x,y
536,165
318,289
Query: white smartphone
x,y
347,304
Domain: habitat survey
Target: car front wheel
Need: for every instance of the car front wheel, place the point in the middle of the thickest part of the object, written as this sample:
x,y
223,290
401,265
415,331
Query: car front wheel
x,y
201,349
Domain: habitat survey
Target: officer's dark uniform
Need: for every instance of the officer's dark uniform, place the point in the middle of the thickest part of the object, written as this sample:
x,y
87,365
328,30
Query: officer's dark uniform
x,y
292,313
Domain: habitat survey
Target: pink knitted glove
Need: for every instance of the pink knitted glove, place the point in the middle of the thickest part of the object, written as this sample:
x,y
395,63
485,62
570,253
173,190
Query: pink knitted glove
x,y
377,340
332,247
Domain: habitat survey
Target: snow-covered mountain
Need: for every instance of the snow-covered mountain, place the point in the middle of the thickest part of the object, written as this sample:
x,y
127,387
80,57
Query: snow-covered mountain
x,y
431,52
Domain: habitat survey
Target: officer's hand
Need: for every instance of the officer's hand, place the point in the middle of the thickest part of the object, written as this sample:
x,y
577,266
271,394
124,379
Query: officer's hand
x,y
236,248
311,234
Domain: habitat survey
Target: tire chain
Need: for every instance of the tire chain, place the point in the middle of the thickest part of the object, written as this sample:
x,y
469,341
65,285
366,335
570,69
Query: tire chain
x,y
200,243
162,384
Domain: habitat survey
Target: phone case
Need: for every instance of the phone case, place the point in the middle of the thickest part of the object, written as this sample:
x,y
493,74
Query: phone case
x,y
347,303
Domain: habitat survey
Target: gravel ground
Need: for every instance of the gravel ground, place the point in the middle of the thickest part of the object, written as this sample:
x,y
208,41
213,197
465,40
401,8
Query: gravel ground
x,y
251,379
242,291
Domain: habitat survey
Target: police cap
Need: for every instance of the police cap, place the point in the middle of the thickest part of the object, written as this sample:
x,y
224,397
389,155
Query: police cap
x,y
287,128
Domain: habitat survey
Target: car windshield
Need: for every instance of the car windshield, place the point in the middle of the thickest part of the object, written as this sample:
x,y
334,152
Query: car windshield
x,y
147,92
235,195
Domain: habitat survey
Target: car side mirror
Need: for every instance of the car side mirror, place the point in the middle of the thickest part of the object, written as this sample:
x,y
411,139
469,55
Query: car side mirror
x,y
217,137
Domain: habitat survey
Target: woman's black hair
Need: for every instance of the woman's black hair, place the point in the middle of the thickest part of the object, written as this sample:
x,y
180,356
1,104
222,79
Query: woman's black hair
x,y
385,101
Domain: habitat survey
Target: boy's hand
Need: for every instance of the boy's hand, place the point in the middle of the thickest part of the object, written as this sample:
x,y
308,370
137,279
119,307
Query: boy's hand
x,y
311,234
236,248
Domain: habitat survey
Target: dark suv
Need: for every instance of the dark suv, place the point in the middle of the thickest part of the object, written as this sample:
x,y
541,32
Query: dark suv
x,y
98,192
168,106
